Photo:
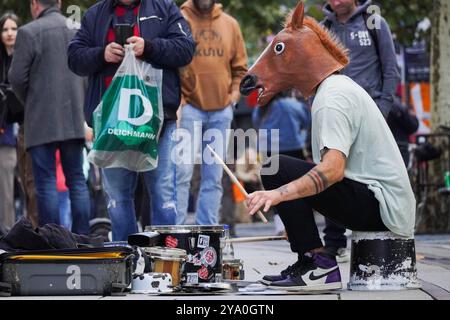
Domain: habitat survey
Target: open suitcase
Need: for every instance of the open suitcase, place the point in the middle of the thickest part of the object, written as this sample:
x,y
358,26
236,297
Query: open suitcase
x,y
99,271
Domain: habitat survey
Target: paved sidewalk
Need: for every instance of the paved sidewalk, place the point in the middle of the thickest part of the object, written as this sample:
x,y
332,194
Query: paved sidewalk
x,y
270,257
433,264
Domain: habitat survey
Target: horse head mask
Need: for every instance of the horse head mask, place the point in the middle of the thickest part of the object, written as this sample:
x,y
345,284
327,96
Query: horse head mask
x,y
301,56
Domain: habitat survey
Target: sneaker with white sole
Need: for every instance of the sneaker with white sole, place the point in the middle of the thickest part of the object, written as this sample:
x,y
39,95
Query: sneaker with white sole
x,y
317,272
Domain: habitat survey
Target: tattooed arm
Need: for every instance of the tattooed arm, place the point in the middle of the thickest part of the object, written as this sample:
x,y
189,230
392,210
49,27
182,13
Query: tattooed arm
x,y
320,178
328,172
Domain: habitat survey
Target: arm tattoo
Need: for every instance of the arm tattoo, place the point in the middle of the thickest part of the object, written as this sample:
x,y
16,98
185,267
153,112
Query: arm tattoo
x,y
320,180
283,190
323,178
313,180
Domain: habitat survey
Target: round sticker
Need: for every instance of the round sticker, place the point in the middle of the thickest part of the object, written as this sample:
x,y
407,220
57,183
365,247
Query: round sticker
x,y
203,273
209,256
171,242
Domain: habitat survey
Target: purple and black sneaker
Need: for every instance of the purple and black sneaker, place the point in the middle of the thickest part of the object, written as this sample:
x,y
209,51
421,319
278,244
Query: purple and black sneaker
x,y
267,280
317,272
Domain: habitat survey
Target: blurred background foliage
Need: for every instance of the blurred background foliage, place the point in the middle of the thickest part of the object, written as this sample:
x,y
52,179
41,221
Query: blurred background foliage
x,y
261,18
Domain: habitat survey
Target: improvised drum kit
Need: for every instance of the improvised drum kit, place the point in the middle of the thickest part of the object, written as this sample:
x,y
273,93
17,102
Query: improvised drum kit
x,y
185,258
190,257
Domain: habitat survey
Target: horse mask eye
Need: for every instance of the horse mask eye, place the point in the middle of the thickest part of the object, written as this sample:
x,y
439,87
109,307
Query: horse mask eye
x,y
279,48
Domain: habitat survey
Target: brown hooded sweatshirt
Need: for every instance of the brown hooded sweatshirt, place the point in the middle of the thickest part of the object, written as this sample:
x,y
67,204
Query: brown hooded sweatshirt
x,y
211,81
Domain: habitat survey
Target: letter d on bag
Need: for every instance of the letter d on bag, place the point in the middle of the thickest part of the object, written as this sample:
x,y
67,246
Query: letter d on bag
x,y
124,107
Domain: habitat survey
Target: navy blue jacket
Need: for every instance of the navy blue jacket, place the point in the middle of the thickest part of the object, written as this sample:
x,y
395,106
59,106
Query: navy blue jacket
x,y
169,46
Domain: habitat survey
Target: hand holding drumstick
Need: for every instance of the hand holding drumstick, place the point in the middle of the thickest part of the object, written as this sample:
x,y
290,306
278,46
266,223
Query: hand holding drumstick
x,y
236,181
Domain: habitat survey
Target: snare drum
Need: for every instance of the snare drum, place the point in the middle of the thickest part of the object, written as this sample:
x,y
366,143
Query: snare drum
x,y
202,243
167,260
233,269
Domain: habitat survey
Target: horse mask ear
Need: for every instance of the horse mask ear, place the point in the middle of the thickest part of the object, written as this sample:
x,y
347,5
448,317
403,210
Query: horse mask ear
x,y
298,15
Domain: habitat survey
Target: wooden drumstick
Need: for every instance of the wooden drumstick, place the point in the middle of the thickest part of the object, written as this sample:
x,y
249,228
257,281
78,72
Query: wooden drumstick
x,y
235,180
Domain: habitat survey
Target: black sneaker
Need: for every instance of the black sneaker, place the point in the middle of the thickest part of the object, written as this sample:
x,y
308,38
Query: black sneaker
x,y
267,280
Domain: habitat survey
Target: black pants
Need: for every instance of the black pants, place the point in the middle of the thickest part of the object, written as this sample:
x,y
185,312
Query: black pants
x,y
334,235
348,203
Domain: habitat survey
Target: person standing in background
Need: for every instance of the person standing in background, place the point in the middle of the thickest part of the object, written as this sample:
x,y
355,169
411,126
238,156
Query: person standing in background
x,y
23,157
9,23
210,89
162,38
53,99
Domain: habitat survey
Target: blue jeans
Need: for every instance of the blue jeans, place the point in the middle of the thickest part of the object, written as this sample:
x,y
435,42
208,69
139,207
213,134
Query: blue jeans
x,y
197,122
44,172
65,216
120,186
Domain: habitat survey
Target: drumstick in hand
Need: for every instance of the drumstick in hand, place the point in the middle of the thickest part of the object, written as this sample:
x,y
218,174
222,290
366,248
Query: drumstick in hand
x,y
235,180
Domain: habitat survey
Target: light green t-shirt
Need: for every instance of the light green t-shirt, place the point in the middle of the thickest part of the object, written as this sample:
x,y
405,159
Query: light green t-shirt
x,y
345,118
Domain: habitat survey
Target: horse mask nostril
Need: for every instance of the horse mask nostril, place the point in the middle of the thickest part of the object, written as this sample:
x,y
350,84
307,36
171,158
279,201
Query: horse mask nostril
x,y
248,84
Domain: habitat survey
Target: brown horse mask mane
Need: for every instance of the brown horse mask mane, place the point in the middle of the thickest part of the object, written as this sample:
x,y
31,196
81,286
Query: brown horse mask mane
x,y
301,56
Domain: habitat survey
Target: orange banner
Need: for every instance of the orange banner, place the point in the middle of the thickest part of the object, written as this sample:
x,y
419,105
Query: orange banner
x,y
420,99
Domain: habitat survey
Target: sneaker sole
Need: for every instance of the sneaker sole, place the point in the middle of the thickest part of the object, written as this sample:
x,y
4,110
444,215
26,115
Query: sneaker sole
x,y
322,287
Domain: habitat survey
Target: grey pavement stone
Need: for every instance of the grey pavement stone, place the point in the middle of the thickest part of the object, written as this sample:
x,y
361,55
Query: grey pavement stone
x,y
435,275
436,292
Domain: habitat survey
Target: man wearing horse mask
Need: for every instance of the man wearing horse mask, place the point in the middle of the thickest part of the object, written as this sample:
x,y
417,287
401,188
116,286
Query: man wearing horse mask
x,y
358,178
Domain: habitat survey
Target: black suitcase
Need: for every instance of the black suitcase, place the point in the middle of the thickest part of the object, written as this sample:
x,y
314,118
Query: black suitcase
x,y
99,271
